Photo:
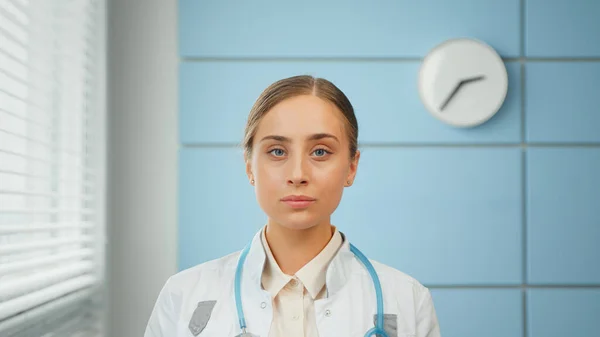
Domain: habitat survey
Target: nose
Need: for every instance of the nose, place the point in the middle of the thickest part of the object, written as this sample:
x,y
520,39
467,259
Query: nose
x,y
298,175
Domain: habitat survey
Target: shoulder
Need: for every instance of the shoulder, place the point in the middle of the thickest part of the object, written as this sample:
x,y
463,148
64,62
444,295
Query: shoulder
x,y
182,291
396,276
401,284
202,275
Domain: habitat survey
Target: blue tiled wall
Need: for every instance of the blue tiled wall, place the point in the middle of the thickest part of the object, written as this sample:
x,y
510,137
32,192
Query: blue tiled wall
x,y
501,221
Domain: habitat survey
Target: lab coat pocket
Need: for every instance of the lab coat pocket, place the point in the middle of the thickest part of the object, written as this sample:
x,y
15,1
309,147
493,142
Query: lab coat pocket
x,y
201,316
390,324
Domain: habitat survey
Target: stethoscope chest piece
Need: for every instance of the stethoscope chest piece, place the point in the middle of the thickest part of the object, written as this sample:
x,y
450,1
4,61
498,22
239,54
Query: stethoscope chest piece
x,y
246,334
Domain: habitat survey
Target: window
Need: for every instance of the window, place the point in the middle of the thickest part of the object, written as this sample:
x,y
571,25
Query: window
x,y
51,167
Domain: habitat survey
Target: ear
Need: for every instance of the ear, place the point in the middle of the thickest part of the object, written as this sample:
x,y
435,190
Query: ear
x,y
248,166
353,169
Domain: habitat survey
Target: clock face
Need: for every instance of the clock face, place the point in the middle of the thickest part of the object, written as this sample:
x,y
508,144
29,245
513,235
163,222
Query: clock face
x,y
463,82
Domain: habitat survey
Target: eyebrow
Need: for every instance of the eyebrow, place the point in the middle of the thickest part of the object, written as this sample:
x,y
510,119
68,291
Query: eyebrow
x,y
316,136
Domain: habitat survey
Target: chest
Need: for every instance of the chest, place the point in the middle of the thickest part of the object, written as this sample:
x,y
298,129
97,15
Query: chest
x,y
351,312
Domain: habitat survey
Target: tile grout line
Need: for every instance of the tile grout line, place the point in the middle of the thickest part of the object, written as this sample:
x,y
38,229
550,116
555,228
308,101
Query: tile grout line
x,y
522,33
522,145
524,224
524,260
522,287
524,308
366,59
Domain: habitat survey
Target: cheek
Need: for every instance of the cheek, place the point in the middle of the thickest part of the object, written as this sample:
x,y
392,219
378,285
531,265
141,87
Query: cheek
x,y
331,182
268,175
334,172
268,183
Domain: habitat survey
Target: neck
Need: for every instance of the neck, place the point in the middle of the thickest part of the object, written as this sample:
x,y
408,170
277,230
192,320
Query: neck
x,y
293,248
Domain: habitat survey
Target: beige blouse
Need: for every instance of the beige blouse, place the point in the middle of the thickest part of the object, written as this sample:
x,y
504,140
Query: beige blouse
x,y
294,296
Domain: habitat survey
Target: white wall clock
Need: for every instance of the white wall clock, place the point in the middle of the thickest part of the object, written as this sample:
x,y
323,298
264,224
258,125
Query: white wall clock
x,y
463,82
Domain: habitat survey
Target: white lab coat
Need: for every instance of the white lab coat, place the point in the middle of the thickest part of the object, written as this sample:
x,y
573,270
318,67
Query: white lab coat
x,y
347,310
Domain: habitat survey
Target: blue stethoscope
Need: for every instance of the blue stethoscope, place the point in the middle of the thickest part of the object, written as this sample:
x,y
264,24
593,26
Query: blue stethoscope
x,y
377,330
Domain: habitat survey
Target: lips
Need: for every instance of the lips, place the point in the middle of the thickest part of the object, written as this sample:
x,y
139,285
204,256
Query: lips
x,y
298,201
297,198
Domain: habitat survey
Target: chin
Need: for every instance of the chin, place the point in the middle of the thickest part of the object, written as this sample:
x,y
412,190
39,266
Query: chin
x,y
297,221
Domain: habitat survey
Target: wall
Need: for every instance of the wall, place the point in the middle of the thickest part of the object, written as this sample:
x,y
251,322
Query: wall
x,y
500,221
142,159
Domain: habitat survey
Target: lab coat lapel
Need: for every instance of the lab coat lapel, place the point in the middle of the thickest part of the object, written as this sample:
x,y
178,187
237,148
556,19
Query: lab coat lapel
x,y
339,270
256,302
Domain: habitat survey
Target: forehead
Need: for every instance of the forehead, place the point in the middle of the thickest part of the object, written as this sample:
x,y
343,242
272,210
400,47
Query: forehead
x,y
301,116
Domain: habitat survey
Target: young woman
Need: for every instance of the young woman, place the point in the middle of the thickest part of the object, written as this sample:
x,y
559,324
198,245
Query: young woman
x,y
299,276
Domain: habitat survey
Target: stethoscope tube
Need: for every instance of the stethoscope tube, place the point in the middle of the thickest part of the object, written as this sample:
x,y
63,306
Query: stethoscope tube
x,y
377,330
237,287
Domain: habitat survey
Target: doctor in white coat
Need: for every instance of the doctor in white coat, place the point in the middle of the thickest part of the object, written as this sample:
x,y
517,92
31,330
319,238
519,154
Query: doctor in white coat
x,y
299,276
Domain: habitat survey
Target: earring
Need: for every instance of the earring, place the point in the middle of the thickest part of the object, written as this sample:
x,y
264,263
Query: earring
x,y
349,182
252,181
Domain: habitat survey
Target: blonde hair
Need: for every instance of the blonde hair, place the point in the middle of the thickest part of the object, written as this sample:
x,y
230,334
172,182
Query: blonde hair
x,y
296,86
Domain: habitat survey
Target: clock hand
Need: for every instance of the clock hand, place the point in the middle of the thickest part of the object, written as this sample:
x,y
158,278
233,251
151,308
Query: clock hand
x,y
473,79
458,86
451,95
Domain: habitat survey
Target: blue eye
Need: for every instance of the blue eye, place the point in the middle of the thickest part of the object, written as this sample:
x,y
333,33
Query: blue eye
x,y
277,152
320,152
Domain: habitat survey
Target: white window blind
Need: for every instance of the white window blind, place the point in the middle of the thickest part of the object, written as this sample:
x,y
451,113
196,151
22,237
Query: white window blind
x,y
51,167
